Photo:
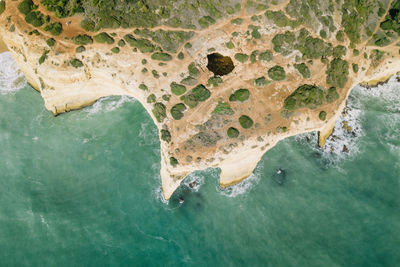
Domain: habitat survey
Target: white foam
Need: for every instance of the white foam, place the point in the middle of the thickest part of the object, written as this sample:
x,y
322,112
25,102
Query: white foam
x,y
105,104
11,77
194,177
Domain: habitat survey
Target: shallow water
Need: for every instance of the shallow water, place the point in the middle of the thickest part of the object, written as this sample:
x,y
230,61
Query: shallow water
x,y
83,189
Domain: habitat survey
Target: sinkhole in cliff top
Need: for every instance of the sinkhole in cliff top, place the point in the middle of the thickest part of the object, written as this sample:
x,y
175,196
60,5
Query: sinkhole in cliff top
x,y
219,64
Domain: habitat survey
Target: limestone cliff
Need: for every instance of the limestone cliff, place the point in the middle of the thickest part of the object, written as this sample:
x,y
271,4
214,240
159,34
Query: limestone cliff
x,y
205,118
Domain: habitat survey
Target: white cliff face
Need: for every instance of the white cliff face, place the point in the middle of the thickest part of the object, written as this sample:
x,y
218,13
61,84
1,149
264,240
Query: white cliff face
x,y
64,88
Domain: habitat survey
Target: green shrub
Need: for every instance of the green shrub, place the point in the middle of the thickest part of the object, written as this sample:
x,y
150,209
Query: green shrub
x,y
223,109
253,56
121,43
355,68
230,45
155,74
240,95
165,135
2,7
303,69
265,56
331,95
284,42
215,81
181,56
144,45
80,49
193,70
151,98
337,73
233,132
35,18
237,21
245,121
323,34
322,115
88,25
198,94
314,48
173,161
25,7
159,111
177,89
161,56
339,51
103,38
277,73
177,111
255,33
54,28
43,58
241,57
280,19
115,50
206,21
260,82
309,96
340,36
201,93
143,87
190,81
51,42
82,39
76,63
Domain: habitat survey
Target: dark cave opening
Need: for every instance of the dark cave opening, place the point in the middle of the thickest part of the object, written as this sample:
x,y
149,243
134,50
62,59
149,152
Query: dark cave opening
x,y
219,64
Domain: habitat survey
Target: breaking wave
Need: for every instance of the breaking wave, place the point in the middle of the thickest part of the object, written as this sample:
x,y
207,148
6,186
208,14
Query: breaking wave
x,y
11,77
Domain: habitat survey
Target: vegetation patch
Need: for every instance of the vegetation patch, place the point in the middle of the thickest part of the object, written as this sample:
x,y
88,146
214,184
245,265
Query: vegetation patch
x,y
54,28
159,111
198,94
103,38
303,69
51,42
144,45
25,7
161,56
193,70
177,89
309,96
233,132
245,121
214,81
240,95
223,108
331,95
82,39
241,57
177,111
265,56
322,115
277,73
76,63
337,72
173,161
2,7
165,135
260,82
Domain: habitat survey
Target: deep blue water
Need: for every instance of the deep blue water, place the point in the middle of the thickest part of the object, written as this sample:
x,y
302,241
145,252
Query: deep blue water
x,y
83,189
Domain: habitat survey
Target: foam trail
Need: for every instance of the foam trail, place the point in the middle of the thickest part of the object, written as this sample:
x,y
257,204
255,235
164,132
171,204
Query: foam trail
x,y
107,104
11,77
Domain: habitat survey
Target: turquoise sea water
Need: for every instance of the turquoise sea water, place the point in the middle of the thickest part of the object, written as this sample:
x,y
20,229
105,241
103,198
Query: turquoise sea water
x,y
83,189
